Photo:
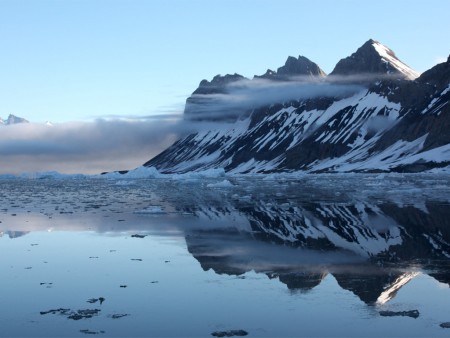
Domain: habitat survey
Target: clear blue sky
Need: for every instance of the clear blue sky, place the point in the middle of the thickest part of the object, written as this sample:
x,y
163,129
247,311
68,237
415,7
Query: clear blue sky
x,y
67,60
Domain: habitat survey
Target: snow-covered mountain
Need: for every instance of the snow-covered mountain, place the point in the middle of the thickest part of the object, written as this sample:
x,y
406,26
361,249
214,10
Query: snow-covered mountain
x,y
372,113
12,119
374,57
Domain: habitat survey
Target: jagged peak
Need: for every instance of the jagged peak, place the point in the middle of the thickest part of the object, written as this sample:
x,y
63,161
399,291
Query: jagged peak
x,y
374,58
227,77
293,66
300,66
217,84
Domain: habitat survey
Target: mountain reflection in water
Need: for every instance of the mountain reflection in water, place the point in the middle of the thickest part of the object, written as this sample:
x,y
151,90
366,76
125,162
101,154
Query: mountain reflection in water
x,y
303,244
373,234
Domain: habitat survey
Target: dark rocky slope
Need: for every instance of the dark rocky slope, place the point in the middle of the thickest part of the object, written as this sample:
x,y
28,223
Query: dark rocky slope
x,y
390,121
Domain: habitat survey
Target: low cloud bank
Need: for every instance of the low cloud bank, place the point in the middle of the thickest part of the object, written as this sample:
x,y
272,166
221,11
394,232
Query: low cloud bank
x,y
126,143
241,97
85,147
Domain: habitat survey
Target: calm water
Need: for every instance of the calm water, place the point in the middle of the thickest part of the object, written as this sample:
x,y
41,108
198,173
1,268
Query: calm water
x,y
347,255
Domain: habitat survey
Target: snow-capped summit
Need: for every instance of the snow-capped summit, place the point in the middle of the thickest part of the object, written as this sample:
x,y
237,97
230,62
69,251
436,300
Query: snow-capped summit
x,y
388,56
375,58
385,121
12,119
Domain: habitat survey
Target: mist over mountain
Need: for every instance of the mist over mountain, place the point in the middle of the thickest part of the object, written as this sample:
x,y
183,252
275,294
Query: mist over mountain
x,y
373,113
12,119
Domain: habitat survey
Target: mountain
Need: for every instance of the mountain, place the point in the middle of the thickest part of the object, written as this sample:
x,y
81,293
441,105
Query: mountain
x,y
374,58
300,66
12,119
371,114
198,105
220,100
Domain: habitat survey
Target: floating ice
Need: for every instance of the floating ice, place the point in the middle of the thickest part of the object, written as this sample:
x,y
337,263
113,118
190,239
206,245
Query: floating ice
x,y
152,209
7,177
208,173
221,184
139,172
51,175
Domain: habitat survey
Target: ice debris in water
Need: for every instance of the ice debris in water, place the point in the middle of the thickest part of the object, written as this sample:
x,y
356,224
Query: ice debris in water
x,y
139,172
152,172
152,209
208,173
51,175
221,184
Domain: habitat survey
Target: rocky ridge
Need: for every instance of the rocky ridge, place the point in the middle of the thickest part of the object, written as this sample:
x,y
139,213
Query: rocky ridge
x,y
390,121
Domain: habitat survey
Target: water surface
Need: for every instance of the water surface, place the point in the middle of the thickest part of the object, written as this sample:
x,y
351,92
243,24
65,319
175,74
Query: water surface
x,y
320,255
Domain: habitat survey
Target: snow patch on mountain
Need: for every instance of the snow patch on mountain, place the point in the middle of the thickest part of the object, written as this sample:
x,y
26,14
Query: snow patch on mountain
x,y
400,153
389,56
386,121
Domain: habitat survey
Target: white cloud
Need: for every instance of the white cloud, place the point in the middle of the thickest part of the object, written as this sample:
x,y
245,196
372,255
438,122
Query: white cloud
x,y
84,147
242,96
125,143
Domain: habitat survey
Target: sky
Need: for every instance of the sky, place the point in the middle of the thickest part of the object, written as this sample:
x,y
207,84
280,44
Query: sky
x,y
78,61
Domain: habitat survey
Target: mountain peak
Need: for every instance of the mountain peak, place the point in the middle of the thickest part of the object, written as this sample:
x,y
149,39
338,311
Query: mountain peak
x,y
218,84
13,119
300,66
286,122
374,58
293,66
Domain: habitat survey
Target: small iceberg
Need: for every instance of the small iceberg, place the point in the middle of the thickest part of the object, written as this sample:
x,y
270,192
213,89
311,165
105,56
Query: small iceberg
x,y
152,210
221,184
